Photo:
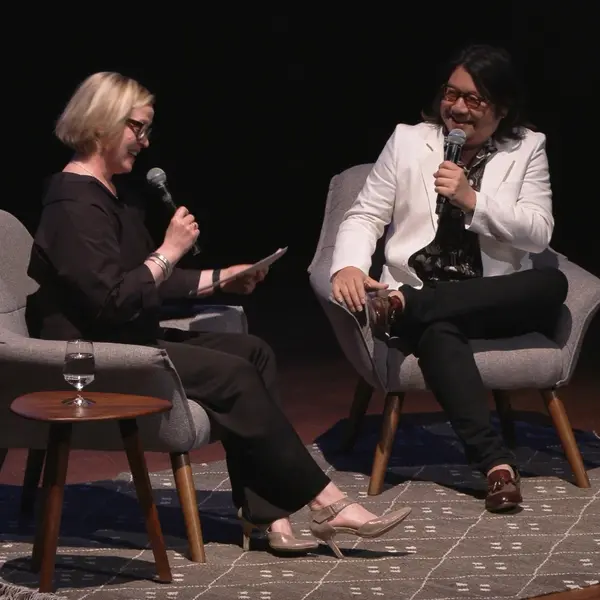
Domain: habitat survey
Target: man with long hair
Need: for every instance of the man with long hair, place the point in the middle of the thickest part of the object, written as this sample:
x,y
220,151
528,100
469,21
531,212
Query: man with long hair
x,y
463,272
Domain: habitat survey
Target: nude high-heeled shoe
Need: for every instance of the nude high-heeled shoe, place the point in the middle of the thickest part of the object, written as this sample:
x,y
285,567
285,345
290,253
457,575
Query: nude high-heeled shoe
x,y
279,542
322,530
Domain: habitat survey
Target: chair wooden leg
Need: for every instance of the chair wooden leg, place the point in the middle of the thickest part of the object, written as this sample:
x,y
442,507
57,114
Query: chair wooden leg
x,y
360,404
3,454
31,480
505,414
559,417
383,451
184,481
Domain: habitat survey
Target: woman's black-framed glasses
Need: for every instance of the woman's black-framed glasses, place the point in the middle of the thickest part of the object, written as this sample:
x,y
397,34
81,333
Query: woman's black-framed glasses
x,y
141,130
472,100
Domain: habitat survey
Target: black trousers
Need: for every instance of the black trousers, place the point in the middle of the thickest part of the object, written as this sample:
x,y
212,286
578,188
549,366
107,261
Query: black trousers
x,y
439,321
233,377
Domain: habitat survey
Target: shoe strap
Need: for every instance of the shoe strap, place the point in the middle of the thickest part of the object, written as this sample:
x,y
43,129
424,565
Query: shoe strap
x,y
329,512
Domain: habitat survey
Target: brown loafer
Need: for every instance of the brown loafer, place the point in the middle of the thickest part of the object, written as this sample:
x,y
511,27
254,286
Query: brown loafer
x,y
383,312
504,491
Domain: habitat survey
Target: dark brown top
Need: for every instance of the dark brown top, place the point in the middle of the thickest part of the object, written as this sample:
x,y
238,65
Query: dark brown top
x,y
454,254
88,258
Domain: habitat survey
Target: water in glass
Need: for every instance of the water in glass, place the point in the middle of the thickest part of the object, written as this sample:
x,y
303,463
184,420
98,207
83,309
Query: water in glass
x,y
79,369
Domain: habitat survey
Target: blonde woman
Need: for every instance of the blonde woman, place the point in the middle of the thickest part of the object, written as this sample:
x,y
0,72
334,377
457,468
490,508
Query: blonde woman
x,y
101,279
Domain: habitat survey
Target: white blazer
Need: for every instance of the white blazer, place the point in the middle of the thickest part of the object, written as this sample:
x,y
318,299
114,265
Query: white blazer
x,y
513,215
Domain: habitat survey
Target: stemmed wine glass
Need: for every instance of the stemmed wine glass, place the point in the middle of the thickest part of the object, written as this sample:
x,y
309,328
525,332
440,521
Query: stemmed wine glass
x,y
79,369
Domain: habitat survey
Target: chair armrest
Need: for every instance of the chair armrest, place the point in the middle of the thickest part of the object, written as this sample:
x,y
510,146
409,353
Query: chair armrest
x,y
581,305
367,355
203,317
31,365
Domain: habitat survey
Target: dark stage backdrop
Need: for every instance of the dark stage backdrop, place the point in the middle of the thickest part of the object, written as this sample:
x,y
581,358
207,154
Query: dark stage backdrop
x,y
256,112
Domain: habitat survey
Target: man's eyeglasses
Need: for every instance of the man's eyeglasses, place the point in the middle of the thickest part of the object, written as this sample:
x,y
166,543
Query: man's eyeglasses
x,y
141,130
472,101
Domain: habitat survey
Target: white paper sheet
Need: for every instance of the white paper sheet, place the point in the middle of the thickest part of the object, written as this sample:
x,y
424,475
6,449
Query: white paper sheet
x,y
257,266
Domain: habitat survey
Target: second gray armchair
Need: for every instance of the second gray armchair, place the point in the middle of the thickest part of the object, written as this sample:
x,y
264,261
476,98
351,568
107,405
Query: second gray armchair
x,y
529,361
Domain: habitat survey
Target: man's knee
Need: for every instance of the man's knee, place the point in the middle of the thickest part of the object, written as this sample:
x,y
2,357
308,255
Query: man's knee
x,y
555,284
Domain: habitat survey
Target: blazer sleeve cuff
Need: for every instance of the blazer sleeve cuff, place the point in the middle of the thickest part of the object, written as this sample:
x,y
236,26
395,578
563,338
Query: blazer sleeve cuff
x,y
476,220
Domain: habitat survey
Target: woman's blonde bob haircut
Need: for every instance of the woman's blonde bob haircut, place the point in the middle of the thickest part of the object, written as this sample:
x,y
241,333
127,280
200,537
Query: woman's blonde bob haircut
x,y
96,113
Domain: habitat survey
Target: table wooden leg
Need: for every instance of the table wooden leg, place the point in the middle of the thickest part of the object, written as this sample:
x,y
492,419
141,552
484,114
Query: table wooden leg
x,y
31,481
55,473
141,480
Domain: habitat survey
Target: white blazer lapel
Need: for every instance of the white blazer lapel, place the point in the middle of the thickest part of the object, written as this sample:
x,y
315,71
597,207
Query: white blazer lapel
x,y
433,158
498,169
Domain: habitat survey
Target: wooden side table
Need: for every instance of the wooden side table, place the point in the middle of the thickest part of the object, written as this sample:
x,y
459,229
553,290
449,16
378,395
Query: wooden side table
x,y
49,407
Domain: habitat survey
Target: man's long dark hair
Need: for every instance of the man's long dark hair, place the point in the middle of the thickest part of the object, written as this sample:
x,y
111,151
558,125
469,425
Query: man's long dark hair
x,y
496,79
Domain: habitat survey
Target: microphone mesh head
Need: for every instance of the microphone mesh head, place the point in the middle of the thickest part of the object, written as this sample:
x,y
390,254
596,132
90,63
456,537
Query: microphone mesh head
x,y
156,176
457,136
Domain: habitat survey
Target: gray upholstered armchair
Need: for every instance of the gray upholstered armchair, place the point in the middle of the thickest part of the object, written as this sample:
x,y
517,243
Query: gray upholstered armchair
x,y
529,361
28,365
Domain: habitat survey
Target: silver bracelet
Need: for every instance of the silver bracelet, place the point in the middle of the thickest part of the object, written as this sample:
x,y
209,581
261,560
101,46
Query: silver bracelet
x,y
168,268
159,264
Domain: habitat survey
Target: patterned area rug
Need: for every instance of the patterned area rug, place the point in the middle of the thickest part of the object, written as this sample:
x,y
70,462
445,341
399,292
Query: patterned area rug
x,y
448,548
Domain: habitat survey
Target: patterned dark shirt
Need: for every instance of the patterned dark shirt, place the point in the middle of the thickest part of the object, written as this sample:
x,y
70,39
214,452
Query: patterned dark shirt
x,y
454,254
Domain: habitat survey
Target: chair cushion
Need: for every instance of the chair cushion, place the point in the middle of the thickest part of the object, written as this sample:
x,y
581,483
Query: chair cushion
x,y
528,361
220,318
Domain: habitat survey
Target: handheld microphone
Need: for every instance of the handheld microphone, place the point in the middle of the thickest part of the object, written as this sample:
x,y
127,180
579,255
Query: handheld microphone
x,y
453,145
158,178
